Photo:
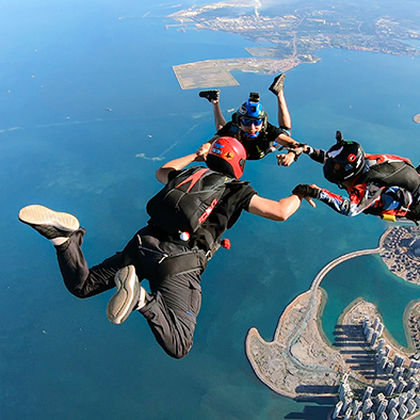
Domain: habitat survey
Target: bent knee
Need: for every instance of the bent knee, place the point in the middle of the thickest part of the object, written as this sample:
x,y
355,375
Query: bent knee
x,y
179,352
80,293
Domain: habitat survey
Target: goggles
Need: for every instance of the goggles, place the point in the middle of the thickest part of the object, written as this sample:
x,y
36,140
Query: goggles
x,y
247,122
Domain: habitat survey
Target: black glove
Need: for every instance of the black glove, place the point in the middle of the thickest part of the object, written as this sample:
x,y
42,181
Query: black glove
x,y
296,152
305,190
414,212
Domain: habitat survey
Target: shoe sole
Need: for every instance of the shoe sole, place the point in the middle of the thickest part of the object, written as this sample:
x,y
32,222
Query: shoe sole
x,y
277,86
205,94
39,215
127,296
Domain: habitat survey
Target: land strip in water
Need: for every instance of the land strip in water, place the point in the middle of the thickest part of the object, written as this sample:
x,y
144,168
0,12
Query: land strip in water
x,y
300,362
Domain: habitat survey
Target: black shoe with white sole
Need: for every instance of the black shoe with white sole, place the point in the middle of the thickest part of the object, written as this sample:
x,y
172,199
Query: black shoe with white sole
x,y
210,95
49,223
278,84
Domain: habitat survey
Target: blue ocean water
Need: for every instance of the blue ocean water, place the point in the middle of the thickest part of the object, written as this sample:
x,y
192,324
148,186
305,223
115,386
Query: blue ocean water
x,y
62,65
390,293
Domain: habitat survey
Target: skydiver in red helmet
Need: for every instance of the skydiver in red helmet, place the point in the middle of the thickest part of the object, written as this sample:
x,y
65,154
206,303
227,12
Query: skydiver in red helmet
x,y
187,220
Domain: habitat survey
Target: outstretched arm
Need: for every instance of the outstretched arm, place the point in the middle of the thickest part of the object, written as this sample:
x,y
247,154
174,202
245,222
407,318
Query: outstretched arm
x,y
336,202
296,149
182,162
318,155
286,159
274,210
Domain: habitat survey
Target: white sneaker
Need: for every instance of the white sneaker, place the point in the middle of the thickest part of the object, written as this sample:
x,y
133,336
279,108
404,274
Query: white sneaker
x,y
49,223
128,297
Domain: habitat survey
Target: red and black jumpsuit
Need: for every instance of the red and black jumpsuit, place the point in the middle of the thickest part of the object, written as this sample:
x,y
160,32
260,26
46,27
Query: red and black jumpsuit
x,y
372,194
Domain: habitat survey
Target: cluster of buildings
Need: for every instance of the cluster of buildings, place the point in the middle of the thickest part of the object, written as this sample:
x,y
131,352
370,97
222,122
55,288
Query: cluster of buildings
x,y
414,327
398,398
397,256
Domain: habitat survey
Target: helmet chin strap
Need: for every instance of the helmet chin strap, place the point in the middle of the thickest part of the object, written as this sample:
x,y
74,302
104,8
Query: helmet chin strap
x,y
252,136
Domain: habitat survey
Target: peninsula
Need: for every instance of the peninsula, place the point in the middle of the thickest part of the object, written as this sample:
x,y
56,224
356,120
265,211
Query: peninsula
x,y
293,33
300,362
210,73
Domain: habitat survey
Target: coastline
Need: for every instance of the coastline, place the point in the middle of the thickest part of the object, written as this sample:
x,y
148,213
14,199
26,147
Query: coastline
x,y
293,363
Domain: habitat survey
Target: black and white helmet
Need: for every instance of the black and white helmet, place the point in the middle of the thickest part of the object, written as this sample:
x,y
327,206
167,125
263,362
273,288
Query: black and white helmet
x,y
344,161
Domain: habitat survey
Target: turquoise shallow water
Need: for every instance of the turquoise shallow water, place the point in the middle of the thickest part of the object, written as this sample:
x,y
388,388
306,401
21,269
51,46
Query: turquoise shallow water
x,y
369,274
59,356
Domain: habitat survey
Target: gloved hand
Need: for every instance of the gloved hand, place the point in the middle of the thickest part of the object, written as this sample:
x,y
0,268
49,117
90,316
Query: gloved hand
x,y
414,212
305,190
202,152
284,159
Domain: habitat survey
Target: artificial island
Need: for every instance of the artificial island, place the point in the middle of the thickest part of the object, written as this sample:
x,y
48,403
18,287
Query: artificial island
x,y
287,39
366,373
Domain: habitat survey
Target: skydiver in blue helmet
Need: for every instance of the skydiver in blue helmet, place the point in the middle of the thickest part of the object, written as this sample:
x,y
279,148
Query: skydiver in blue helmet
x,y
250,125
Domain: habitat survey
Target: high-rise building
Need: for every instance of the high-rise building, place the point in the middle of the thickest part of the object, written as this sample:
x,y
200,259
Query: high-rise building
x,y
387,350
381,344
389,367
380,329
383,416
398,360
393,403
402,398
380,397
401,384
393,414
346,404
390,387
414,364
380,352
356,405
343,389
347,414
411,405
397,372
367,393
337,409
381,407
376,323
409,372
383,361
412,384
365,324
374,338
367,405
411,394
403,411
369,334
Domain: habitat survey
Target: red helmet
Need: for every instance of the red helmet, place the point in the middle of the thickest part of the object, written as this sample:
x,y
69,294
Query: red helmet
x,y
228,156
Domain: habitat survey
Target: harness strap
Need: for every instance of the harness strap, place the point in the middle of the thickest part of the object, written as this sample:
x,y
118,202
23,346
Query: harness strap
x,y
188,261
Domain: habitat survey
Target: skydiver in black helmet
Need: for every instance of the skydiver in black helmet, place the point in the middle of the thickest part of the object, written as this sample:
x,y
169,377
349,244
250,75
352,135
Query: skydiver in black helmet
x,y
383,185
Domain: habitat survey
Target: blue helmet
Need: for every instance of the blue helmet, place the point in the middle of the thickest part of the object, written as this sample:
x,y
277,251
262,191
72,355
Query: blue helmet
x,y
252,110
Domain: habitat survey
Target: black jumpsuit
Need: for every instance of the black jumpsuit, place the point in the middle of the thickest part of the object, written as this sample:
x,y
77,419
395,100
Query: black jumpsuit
x,y
172,267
